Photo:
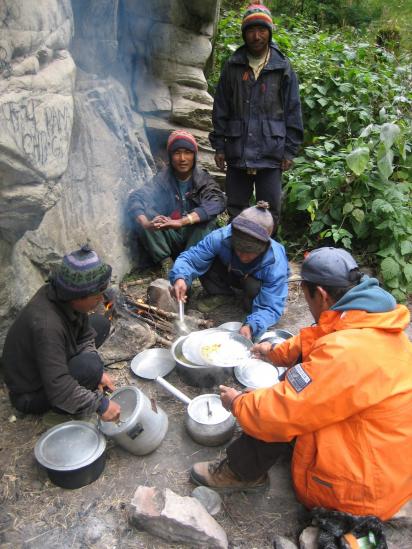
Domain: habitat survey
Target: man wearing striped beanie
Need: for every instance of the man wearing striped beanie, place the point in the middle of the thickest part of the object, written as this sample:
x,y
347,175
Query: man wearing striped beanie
x,y
178,207
50,356
257,121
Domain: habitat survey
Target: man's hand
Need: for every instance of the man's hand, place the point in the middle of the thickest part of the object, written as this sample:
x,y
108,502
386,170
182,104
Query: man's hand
x,y
220,161
246,331
261,350
106,383
179,290
170,224
286,164
112,413
227,396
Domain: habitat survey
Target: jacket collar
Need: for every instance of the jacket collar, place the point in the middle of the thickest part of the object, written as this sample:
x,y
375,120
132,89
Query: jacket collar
x,y
64,306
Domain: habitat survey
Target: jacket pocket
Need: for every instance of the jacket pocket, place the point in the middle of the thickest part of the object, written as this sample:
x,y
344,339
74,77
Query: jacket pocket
x,y
233,140
273,141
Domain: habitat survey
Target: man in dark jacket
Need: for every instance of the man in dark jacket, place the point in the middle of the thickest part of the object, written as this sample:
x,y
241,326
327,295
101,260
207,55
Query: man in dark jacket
x,y
50,356
257,121
178,207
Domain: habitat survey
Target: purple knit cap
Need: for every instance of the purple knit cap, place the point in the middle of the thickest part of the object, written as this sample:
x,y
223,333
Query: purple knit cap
x,y
256,221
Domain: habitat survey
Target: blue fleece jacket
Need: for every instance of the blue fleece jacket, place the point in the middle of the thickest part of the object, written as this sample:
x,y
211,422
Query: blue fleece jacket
x,y
271,269
366,296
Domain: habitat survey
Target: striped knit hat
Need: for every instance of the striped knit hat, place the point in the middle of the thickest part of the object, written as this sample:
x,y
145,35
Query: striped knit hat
x,y
257,14
181,139
80,274
256,221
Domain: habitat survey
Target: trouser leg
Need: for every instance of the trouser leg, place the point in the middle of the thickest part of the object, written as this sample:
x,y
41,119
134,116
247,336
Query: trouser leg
x,y
250,458
216,281
192,234
101,325
251,287
87,369
31,403
268,187
161,244
239,190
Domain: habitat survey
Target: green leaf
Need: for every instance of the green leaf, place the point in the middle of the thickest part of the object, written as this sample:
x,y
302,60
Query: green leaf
x,y
385,161
407,271
322,101
389,134
406,247
392,283
345,88
359,215
328,146
358,159
390,269
347,208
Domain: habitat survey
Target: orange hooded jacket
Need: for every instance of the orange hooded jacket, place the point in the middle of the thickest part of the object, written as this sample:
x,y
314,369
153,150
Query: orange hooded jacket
x,y
349,404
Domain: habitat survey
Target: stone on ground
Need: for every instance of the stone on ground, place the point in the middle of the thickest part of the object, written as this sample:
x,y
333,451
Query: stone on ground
x,y
175,518
158,295
280,542
308,539
210,499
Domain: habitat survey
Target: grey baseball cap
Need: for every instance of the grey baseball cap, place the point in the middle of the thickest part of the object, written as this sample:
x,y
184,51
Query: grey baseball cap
x,y
330,267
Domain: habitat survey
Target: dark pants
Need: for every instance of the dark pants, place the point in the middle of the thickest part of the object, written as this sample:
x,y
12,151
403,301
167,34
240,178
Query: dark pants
x,y
86,368
267,184
219,281
163,244
250,458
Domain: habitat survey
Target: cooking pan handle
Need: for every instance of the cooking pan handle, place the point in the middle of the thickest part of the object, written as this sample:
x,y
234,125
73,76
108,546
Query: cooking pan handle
x,y
135,431
172,389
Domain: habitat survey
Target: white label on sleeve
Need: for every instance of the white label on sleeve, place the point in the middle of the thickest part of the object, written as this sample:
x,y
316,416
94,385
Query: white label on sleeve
x,y
298,378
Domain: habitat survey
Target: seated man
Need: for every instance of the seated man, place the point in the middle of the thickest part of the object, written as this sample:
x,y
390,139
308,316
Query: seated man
x,y
346,400
178,207
241,255
49,356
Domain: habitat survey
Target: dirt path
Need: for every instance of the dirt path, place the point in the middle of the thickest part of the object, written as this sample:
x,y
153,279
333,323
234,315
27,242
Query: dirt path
x,y
37,514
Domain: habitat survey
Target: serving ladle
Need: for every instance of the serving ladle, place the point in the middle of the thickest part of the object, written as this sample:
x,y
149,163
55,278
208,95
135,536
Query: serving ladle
x,y
181,327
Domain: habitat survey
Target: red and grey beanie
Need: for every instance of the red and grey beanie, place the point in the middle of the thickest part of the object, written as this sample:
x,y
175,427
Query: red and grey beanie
x,y
257,14
181,139
80,274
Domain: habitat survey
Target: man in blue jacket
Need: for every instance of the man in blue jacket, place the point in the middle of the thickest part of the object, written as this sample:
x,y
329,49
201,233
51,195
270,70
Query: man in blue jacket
x,y
178,207
257,120
241,255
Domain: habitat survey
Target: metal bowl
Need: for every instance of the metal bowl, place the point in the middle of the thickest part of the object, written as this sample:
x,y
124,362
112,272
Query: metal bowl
x,y
152,363
195,375
217,348
275,336
233,326
257,374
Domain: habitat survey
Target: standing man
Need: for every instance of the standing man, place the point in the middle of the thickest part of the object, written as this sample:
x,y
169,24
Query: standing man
x,y
50,356
345,403
257,120
178,207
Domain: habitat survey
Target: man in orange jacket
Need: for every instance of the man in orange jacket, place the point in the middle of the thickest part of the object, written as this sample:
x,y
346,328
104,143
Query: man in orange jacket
x,y
345,402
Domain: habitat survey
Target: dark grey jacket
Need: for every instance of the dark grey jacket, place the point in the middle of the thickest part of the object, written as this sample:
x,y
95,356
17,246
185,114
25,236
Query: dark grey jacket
x,y
43,338
160,196
257,123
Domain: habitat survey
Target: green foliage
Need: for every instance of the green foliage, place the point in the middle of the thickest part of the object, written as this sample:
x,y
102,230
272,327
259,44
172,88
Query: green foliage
x,y
352,184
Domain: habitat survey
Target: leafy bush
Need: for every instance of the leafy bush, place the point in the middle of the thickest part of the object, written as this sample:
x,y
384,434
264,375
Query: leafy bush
x,y
352,184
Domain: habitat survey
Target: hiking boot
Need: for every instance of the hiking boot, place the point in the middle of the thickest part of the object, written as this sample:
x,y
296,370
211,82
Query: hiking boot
x,y
219,476
212,302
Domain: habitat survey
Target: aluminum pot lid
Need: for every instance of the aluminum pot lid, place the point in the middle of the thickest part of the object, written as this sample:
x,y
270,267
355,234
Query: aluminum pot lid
x,y
217,348
208,410
151,363
69,446
130,400
256,374
275,336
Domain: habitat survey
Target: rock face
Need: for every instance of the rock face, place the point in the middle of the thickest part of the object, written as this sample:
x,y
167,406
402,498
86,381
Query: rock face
x,y
81,84
175,518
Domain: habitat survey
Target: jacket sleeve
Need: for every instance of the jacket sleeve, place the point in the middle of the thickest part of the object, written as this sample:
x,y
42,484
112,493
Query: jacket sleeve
x,y
62,390
195,261
269,304
221,111
142,201
211,198
293,117
332,385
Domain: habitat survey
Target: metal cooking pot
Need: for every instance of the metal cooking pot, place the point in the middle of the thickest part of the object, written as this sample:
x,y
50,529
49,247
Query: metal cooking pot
x,y
194,375
206,421
73,453
142,426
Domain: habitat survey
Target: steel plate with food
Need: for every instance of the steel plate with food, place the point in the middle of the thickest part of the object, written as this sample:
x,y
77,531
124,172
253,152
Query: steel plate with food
x,y
217,348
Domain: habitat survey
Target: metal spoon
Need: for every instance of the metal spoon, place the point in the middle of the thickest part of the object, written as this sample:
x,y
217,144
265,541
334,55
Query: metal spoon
x,y
180,324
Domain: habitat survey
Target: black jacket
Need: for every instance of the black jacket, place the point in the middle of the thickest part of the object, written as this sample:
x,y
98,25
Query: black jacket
x,y
257,123
43,338
160,196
